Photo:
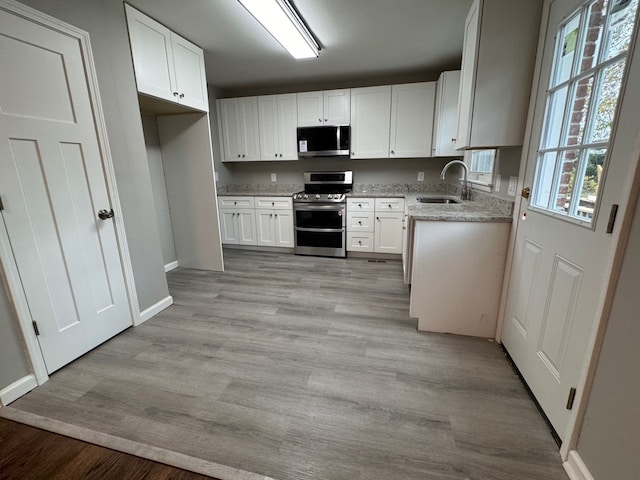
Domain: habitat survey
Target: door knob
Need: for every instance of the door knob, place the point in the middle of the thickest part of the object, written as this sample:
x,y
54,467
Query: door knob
x,y
526,192
104,214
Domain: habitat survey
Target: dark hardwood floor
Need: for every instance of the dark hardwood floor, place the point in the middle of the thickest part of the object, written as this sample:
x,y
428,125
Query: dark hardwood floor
x,y
28,453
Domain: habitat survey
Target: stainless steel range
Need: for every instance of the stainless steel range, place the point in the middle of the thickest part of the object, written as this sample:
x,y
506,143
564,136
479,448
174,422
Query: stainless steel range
x,y
320,214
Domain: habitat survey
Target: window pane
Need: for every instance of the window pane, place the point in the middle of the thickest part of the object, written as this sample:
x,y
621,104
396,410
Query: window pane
x,y
590,181
605,109
596,18
579,109
555,116
622,16
482,161
567,50
544,179
569,163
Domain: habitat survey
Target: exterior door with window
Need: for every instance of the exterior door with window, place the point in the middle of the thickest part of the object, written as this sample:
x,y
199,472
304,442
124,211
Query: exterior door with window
x,y
579,164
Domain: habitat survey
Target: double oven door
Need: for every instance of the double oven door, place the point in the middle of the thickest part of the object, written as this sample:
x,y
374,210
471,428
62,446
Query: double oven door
x,y
320,229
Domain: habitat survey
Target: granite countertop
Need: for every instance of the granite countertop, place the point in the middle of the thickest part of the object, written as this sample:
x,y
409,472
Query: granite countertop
x,y
483,207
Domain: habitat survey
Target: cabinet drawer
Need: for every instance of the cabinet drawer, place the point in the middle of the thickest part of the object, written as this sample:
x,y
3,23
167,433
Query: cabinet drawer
x,y
239,202
360,204
360,242
389,204
359,221
274,203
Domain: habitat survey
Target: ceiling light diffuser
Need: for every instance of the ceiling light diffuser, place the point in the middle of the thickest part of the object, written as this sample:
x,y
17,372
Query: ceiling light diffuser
x,y
284,24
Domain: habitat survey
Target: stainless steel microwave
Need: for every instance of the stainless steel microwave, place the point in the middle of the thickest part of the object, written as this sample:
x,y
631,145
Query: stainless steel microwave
x,y
326,141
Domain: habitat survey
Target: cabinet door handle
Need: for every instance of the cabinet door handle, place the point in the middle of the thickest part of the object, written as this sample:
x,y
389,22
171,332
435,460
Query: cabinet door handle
x,y
235,203
326,120
105,214
390,206
270,215
182,95
359,222
276,155
360,205
378,218
276,215
175,94
238,155
453,139
320,120
280,155
243,155
359,242
233,214
273,204
392,152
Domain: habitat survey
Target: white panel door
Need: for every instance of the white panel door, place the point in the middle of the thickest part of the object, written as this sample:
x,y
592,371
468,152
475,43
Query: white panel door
x,y
370,122
52,185
563,252
152,56
412,107
191,78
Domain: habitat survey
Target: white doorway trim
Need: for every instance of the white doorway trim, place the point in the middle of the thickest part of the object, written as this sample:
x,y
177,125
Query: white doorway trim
x,y
631,191
7,260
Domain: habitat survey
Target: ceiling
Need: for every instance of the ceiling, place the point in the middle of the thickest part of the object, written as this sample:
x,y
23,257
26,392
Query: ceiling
x,y
362,41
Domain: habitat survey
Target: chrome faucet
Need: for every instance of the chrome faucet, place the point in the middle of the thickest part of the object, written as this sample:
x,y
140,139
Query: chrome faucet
x,y
465,187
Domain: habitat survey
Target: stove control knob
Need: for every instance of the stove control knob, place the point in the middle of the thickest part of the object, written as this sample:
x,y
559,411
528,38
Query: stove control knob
x,y
329,196
305,196
317,196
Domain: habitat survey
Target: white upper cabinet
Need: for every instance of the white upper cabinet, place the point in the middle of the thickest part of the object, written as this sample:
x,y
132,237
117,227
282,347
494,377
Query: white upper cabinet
x,y
238,121
370,122
166,65
329,107
412,107
277,121
500,40
446,115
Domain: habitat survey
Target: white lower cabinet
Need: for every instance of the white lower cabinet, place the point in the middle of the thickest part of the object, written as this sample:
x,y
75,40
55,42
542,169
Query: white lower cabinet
x,y
375,225
261,221
237,220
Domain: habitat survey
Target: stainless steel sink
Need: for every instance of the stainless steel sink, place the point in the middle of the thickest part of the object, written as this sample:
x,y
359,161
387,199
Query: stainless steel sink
x,y
438,200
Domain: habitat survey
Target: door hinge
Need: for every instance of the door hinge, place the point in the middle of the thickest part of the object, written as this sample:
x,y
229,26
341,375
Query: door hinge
x,y
612,218
35,328
572,397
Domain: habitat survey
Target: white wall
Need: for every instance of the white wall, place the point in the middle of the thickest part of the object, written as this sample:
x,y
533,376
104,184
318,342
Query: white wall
x,y
159,187
609,443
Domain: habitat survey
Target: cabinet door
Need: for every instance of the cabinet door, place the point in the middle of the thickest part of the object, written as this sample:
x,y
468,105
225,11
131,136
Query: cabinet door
x,y
265,228
467,76
228,230
310,109
229,124
249,140
152,56
283,227
268,127
246,226
337,107
412,107
191,79
287,123
388,232
446,115
370,122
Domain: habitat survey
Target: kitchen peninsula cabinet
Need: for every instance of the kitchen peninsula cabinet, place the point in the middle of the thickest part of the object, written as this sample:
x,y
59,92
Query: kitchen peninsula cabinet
x,y
330,107
238,120
167,66
277,120
498,57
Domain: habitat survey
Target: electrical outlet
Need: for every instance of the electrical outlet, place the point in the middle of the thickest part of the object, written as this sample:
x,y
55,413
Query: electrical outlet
x,y
421,176
498,184
273,177
513,184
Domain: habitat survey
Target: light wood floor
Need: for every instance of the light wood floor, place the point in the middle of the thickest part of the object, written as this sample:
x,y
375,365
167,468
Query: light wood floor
x,y
306,368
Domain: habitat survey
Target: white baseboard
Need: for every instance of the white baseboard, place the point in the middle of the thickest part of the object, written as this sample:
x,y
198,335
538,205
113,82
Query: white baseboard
x,y
575,467
154,309
171,266
18,389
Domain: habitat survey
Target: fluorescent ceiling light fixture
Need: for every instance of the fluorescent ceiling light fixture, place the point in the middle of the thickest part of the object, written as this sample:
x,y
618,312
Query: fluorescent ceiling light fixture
x,y
284,24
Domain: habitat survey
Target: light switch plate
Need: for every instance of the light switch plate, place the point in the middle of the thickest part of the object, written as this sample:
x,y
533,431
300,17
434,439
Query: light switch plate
x,y
513,184
273,177
421,176
498,184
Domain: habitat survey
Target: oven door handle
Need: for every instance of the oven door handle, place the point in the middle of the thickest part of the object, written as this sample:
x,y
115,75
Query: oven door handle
x,y
320,230
306,207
